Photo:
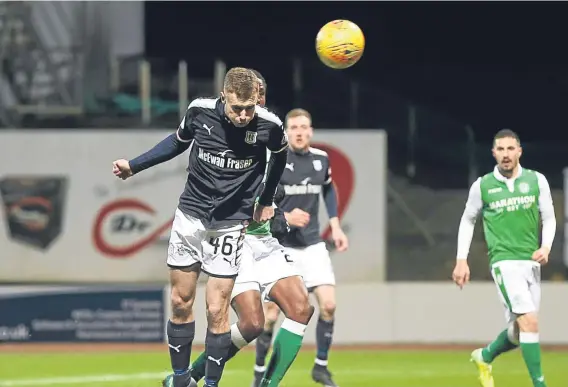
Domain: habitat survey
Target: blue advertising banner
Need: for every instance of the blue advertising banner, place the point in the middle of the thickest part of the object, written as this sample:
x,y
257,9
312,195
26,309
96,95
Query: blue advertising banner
x,y
81,314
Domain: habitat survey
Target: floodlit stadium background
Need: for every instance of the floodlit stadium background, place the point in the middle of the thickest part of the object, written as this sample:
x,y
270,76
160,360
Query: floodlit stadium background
x,y
407,129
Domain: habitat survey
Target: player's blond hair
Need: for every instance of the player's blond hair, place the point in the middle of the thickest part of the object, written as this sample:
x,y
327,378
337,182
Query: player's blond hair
x,y
298,112
242,82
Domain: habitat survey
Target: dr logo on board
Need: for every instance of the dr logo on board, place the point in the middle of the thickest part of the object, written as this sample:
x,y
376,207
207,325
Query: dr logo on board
x,y
126,226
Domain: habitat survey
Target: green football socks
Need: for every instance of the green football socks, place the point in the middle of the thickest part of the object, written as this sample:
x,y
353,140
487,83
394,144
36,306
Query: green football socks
x,y
500,345
530,347
286,347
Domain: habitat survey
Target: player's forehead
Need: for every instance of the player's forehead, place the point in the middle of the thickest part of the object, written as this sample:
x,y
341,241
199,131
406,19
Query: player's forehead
x,y
506,142
232,99
298,121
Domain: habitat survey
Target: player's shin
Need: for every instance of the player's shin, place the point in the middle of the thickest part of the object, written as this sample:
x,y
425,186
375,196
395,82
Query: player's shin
x,y
265,339
286,347
324,335
505,341
324,329
262,346
292,297
218,338
530,347
238,341
180,338
217,351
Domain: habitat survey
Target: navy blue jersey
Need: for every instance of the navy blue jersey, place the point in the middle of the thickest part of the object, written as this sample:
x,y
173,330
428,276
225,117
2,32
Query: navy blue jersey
x,y
303,180
226,163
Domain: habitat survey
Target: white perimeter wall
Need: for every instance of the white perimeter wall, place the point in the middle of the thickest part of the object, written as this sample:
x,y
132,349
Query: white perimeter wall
x,y
423,313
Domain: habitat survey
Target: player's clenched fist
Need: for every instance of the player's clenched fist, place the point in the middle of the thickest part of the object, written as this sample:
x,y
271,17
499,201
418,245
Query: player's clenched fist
x,y
461,273
297,218
121,169
541,255
263,213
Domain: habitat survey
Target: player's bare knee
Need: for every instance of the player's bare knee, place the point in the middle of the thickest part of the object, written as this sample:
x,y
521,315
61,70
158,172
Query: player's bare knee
x,y
270,320
300,311
251,325
292,297
271,313
252,328
248,307
218,317
218,297
528,322
327,310
183,282
182,306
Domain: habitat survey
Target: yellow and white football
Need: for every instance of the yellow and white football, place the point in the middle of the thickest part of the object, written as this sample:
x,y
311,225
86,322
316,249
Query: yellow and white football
x,y
340,44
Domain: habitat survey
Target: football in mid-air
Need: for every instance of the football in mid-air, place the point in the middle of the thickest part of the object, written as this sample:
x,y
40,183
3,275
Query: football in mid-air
x,y
340,44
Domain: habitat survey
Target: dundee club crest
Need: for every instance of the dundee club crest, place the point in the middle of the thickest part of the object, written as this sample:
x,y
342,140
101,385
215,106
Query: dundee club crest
x,y
250,137
318,166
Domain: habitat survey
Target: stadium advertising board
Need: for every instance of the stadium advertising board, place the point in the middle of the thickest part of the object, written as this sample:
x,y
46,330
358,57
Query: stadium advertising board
x,y
66,218
565,216
81,314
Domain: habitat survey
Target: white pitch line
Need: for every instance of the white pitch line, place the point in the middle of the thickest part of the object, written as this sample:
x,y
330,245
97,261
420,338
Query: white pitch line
x,y
82,379
112,378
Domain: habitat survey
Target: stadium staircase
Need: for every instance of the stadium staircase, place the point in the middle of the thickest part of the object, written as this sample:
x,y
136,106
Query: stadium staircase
x,y
422,244
40,72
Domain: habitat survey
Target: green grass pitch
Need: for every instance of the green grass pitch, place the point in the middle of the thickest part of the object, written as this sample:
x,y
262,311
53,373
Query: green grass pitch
x,y
352,368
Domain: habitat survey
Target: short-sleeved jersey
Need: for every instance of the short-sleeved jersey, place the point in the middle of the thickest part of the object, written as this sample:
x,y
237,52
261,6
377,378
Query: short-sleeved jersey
x,y
226,163
303,179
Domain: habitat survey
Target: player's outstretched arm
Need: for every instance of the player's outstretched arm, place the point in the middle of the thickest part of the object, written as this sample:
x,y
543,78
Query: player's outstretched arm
x,y
465,233
165,150
173,145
